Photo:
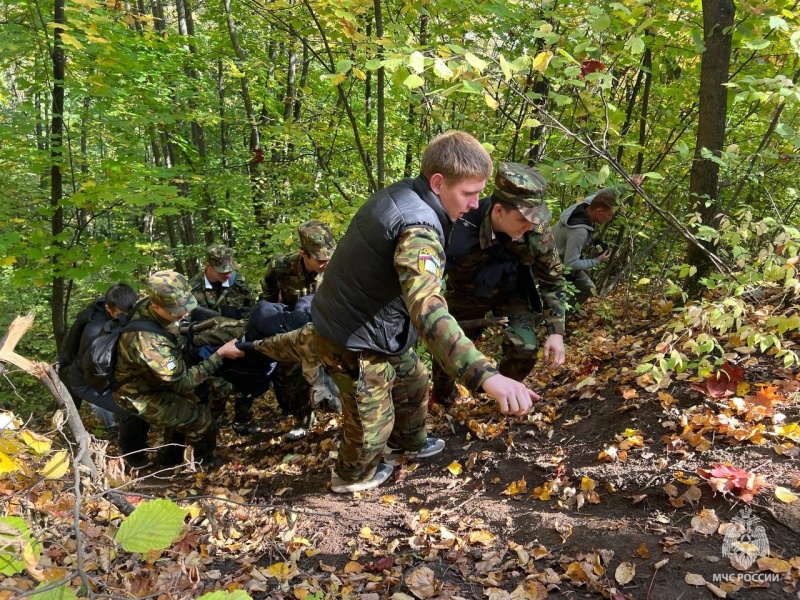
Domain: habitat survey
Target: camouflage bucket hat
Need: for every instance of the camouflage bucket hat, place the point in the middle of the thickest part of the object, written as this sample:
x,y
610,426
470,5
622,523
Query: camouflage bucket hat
x,y
221,258
171,291
316,239
522,186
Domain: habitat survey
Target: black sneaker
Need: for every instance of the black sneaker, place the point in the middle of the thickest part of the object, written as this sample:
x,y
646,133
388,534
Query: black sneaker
x,y
246,428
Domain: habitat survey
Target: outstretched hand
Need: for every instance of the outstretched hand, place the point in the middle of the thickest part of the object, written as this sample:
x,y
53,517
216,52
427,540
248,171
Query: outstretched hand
x,y
229,350
554,346
512,397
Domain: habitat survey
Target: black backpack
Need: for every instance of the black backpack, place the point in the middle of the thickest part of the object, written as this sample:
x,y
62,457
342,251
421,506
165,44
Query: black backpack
x,y
100,359
72,341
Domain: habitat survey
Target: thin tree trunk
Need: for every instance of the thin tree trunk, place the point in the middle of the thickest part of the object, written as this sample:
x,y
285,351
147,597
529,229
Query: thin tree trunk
x,y
704,179
56,153
380,92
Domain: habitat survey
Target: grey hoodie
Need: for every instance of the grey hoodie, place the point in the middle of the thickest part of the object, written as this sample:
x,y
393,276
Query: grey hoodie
x,y
571,239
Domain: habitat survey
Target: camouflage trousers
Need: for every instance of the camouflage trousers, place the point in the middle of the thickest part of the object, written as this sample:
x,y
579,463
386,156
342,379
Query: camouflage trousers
x,y
519,337
584,284
182,417
292,390
384,398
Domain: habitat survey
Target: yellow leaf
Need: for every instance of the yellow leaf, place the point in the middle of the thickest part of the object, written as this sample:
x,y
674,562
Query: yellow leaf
x,y
784,495
338,79
69,40
455,468
776,565
365,533
587,483
388,499
288,241
642,551
281,571
541,61
484,538
359,73
515,487
491,102
38,443
56,467
742,388
7,261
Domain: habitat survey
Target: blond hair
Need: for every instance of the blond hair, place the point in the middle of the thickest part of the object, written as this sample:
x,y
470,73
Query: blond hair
x,y
457,156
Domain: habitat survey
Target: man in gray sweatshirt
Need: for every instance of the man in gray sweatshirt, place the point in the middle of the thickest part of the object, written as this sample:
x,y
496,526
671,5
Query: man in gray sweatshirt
x,y
574,234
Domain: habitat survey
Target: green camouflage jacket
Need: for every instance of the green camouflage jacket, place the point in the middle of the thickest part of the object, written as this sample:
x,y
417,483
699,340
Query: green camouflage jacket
x,y
148,363
236,295
419,259
535,250
287,280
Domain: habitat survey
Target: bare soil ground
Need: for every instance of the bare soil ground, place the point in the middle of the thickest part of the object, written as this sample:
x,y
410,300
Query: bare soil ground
x,y
475,516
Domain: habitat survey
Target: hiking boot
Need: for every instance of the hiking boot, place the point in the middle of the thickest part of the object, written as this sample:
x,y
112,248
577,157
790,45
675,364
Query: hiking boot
x,y
138,460
296,433
246,428
340,486
211,463
394,456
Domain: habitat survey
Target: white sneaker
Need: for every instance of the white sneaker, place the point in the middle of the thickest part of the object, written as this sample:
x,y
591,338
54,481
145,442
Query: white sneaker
x,y
394,456
340,486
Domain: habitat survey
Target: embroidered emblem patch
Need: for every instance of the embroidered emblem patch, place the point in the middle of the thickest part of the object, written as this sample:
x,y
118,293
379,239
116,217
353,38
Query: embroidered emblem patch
x,y
427,260
168,365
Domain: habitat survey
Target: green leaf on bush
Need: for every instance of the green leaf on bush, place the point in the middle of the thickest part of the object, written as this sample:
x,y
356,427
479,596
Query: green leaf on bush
x,y
62,592
222,595
153,525
15,536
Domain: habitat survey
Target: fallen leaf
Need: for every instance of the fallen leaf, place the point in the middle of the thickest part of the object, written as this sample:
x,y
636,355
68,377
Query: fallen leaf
x,y
422,582
775,565
706,522
719,593
784,495
455,468
694,579
515,487
624,573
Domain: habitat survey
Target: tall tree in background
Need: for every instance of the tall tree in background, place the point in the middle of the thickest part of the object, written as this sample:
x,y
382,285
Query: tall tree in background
x,y
704,177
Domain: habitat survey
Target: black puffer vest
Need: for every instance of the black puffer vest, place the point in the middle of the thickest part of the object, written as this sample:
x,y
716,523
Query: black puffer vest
x,y
473,271
359,304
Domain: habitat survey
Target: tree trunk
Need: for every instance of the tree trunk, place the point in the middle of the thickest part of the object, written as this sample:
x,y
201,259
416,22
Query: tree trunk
x,y
704,178
380,93
56,151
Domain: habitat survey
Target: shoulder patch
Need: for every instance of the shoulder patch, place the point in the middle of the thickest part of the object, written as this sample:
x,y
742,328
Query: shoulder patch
x,y
168,364
428,260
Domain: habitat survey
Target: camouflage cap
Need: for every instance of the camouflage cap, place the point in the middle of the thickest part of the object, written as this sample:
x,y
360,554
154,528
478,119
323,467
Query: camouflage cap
x,y
521,186
171,291
316,239
221,258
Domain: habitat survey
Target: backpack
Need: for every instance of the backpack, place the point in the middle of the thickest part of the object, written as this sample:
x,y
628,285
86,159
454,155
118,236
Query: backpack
x,y
72,341
100,358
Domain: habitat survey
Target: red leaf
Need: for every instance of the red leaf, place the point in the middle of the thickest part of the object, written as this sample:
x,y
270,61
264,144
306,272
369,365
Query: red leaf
x,y
591,66
387,562
722,382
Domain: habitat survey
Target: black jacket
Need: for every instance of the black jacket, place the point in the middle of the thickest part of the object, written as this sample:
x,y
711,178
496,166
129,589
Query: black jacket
x,y
359,305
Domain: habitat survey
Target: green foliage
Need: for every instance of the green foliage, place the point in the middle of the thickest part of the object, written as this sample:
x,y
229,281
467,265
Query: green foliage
x,y
727,321
154,525
61,592
16,544
222,595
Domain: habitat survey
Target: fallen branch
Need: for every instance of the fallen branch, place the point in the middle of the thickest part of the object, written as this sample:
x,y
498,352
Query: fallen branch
x,y
49,377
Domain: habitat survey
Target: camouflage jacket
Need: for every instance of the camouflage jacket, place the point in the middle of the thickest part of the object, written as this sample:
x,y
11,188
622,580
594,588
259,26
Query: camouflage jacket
x,y
149,364
418,260
487,265
217,295
287,280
